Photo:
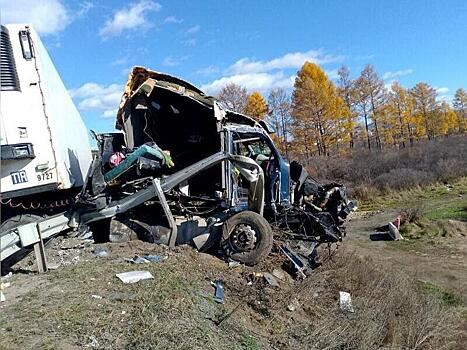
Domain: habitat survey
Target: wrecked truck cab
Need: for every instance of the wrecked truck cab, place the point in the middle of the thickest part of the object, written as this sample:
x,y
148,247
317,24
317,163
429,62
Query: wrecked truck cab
x,y
184,170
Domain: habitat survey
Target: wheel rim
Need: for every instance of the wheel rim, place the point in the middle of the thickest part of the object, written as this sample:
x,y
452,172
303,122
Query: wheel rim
x,y
243,238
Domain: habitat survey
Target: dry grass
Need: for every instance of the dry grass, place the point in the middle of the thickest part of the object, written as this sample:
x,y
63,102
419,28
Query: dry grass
x,y
391,311
367,173
176,310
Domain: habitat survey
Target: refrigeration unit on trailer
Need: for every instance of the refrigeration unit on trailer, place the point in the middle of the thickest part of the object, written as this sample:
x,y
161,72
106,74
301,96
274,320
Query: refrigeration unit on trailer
x,y
45,149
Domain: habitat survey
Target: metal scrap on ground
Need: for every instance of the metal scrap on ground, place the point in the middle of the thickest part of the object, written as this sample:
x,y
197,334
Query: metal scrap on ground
x,y
134,276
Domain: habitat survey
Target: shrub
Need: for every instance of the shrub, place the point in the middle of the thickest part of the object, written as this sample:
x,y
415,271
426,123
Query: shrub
x,y
427,162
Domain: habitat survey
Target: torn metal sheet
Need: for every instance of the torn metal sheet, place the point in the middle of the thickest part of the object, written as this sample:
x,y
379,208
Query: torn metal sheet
x,y
219,291
345,302
182,168
134,276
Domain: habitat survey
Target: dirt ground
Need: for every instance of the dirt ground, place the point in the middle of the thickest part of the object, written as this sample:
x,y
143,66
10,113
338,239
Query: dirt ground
x,y
81,303
442,261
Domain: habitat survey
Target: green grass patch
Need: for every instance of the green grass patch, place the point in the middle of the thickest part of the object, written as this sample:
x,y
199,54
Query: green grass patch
x,y
249,343
448,298
454,210
431,197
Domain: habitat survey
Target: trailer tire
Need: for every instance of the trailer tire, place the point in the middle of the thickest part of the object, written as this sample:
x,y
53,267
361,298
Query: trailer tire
x,y
247,237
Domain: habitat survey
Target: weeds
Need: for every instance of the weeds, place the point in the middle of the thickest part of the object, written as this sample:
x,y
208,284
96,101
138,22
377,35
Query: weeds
x,y
390,312
426,163
447,298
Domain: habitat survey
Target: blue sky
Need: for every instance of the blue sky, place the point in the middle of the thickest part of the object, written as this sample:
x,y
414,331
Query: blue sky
x,y
259,44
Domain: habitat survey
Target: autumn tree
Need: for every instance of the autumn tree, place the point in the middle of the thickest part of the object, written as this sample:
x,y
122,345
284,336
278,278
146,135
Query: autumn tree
x,y
372,98
319,113
363,107
401,106
256,106
346,89
447,120
279,115
425,109
233,97
460,107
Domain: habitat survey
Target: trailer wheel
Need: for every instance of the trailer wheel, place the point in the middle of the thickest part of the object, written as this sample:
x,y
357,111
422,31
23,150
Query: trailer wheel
x,y
247,237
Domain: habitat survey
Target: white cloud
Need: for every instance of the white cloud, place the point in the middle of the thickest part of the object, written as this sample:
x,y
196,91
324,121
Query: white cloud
x,y
287,61
193,30
442,90
251,81
46,16
397,74
132,17
173,19
209,70
98,98
266,75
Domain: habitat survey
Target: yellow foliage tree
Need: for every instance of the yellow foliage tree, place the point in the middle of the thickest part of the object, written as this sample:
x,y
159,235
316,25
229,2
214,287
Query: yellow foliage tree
x,y
400,106
256,106
321,120
460,106
425,110
448,120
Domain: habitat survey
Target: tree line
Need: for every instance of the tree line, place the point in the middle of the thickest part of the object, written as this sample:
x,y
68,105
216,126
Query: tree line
x,y
322,117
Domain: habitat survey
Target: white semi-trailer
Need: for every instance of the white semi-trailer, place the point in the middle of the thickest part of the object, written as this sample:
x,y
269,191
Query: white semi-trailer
x,y
45,149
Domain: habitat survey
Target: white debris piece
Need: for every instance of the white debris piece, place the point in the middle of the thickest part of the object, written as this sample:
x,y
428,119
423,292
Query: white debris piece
x,y
394,232
2,297
271,279
345,302
294,304
134,276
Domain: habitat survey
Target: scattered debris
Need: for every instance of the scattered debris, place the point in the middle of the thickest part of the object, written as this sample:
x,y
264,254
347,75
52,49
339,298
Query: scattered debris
x,y
345,302
134,276
155,258
391,229
297,263
93,344
294,304
52,265
7,276
95,296
137,260
280,274
5,285
219,292
101,252
146,259
271,279
234,263
394,232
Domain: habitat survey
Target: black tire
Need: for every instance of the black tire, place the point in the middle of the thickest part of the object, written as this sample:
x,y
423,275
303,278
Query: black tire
x,y
246,224
100,230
